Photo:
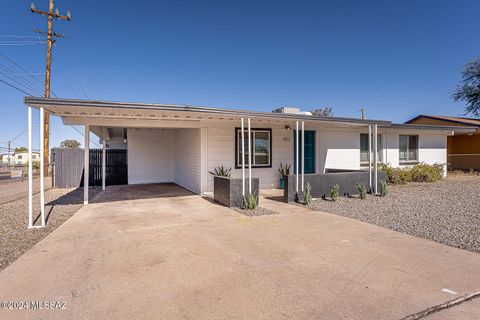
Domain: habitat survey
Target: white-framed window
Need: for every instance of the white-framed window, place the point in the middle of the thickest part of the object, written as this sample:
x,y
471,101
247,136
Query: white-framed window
x,y
408,148
261,145
364,156
19,157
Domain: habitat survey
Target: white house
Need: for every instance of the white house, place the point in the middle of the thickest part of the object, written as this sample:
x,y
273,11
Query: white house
x,y
19,158
182,143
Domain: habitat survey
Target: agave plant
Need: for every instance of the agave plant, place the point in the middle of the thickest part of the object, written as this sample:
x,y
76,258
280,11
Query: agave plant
x,y
284,169
249,202
221,171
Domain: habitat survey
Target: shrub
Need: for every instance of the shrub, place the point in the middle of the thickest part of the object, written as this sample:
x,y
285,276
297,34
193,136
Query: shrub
x,y
284,170
383,188
249,202
362,190
221,171
335,192
418,173
307,198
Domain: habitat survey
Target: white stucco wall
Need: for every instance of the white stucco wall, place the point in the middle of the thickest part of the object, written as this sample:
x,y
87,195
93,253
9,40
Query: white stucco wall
x,y
338,149
187,156
221,151
150,155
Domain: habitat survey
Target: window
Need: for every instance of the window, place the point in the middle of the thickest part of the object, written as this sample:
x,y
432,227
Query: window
x,y
19,157
261,146
408,147
364,157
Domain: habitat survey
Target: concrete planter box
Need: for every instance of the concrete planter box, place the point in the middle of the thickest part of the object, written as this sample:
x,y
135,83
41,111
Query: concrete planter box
x,y
322,184
228,191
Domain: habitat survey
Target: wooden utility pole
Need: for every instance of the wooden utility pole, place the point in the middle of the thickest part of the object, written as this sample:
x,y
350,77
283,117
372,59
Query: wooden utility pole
x,y
51,14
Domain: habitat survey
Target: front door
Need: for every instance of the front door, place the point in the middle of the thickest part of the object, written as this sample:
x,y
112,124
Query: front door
x,y
309,151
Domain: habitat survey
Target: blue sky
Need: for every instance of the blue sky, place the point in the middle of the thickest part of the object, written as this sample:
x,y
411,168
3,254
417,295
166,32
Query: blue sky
x,y
394,58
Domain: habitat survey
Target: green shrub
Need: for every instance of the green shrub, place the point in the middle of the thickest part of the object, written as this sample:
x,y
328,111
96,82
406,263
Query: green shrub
x,y
418,173
221,171
426,173
335,192
284,170
362,190
383,188
249,202
307,198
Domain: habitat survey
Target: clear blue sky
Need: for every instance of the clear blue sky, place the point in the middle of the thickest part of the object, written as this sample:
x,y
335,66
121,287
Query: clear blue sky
x,y
395,58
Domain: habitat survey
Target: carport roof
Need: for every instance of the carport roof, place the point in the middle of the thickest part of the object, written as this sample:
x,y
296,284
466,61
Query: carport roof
x,y
132,110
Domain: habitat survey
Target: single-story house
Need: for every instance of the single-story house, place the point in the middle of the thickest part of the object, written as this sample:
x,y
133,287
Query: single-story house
x,y
463,148
18,158
182,143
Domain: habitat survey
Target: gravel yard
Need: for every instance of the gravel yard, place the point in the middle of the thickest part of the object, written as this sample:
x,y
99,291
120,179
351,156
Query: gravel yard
x,y
15,238
447,211
258,211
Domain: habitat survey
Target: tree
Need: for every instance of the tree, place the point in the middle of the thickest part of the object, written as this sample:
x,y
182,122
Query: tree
x,y
70,144
322,112
20,149
469,88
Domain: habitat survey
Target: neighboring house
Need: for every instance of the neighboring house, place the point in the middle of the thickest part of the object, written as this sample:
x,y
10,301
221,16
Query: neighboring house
x,y
181,143
463,149
19,158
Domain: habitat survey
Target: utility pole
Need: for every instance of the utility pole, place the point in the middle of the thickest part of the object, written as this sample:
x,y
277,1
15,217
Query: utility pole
x,y
363,113
51,14
9,156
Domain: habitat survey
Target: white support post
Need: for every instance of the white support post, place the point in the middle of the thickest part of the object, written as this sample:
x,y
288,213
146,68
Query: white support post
x,y
42,169
30,170
296,157
104,163
249,159
370,184
243,158
375,157
86,161
303,155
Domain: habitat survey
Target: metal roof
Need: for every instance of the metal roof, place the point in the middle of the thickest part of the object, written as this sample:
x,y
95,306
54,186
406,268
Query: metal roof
x,y
52,104
458,120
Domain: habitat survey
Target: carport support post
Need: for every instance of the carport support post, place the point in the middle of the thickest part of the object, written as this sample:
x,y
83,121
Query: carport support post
x,y
370,184
86,161
42,168
296,158
104,165
375,157
303,154
30,171
249,159
243,158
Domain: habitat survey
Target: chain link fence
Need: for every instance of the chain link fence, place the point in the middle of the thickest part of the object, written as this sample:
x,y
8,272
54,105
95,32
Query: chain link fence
x,y
14,181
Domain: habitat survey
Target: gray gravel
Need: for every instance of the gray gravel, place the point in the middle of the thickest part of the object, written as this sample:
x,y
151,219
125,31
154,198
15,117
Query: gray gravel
x,y
258,211
447,211
15,238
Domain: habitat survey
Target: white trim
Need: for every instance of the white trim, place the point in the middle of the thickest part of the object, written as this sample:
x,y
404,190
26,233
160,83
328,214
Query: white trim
x,y
296,157
375,157
104,164
370,158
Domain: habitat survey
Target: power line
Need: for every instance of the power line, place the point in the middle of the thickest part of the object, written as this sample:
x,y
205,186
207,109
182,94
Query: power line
x,y
27,83
18,82
83,135
11,85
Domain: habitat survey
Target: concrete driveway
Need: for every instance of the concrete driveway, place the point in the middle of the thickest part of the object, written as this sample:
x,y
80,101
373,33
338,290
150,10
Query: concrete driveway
x,y
182,257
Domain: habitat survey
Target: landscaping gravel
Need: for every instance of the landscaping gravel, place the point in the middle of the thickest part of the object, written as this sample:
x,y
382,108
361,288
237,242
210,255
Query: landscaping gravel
x,y
15,238
447,211
258,211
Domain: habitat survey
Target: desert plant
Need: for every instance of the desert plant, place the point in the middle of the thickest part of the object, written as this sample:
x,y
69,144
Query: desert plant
x,y
383,188
426,173
249,202
307,197
362,190
335,192
221,171
284,170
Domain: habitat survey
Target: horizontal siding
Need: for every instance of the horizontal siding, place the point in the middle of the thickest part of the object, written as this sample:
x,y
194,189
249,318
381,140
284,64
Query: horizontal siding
x,y
187,158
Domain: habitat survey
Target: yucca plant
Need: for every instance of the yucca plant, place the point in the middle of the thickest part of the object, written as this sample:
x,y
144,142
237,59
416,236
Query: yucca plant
x,y
307,198
362,190
335,192
249,202
284,170
221,171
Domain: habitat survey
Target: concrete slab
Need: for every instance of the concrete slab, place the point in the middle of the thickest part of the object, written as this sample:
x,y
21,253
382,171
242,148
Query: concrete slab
x,y
181,256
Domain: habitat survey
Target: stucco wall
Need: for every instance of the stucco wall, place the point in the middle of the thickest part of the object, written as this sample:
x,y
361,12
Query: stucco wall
x,y
187,153
150,155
